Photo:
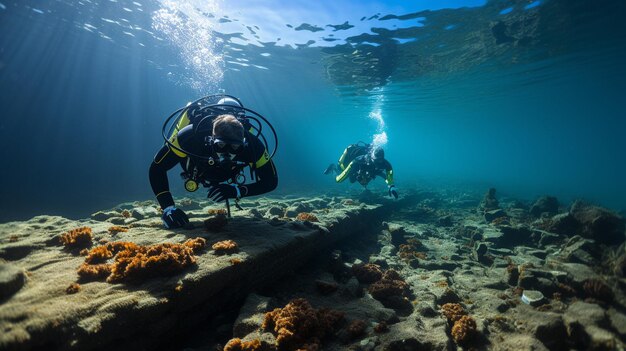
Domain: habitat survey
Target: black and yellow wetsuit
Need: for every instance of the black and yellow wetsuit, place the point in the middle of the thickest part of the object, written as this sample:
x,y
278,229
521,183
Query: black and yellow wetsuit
x,y
254,155
355,162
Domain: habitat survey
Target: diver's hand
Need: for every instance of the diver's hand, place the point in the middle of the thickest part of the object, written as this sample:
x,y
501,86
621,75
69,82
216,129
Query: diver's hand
x,y
222,192
393,192
174,217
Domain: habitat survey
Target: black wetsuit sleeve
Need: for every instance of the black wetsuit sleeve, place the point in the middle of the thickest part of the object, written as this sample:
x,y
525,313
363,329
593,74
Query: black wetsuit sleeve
x,y
163,161
265,170
267,180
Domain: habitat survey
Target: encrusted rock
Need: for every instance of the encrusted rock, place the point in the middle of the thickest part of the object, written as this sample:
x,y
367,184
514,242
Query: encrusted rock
x,y
598,223
545,206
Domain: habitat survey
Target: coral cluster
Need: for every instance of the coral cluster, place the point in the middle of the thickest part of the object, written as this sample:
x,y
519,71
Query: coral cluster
x,y
237,344
463,326
216,223
126,214
225,247
117,229
300,326
409,251
216,211
308,217
453,311
464,330
73,288
134,262
388,287
78,237
367,273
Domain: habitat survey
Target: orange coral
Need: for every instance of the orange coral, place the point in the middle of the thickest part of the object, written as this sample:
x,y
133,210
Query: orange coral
x,y
79,237
73,288
237,344
453,311
306,216
225,247
300,326
117,229
464,330
133,262
367,272
235,261
409,251
216,211
386,288
94,271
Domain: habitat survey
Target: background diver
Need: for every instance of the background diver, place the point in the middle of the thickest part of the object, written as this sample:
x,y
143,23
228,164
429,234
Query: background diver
x,y
362,162
213,143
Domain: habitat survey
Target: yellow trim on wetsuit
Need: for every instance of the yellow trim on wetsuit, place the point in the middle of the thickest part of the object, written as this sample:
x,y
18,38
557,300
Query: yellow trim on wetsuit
x,y
343,158
262,160
161,193
182,123
342,176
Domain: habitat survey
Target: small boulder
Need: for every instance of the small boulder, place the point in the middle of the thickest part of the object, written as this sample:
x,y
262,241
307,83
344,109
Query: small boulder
x,y
598,223
545,206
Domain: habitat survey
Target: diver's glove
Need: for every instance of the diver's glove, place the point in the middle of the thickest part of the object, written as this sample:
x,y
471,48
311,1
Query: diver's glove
x,y
221,192
393,192
174,217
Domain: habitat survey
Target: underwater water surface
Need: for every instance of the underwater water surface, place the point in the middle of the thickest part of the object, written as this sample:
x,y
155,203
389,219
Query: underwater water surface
x,y
524,96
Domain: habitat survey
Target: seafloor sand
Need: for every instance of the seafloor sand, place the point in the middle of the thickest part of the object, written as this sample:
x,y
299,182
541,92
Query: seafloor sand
x,y
517,277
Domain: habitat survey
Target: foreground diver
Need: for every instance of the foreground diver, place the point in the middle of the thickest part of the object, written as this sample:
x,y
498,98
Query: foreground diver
x,y
213,143
363,162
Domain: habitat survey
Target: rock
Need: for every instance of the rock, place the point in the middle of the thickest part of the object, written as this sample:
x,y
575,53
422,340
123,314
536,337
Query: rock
x,y
275,211
479,253
145,212
352,288
545,206
103,216
489,201
584,321
397,235
12,279
493,214
251,315
293,210
598,223
548,238
580,250
552,333
564,223
117,220
515,235
532,297
618,321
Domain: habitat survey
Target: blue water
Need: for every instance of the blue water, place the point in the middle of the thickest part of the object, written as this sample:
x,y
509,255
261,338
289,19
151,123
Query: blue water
x,y
527,97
